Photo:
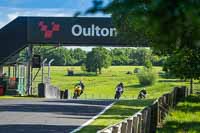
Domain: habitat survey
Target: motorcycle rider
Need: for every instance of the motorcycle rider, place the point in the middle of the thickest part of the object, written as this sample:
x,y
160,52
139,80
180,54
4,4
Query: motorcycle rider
x,y
79,88
82,86
119,90
142,94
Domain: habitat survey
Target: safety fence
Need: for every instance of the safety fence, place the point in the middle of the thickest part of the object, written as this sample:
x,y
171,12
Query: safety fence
x,y
151,117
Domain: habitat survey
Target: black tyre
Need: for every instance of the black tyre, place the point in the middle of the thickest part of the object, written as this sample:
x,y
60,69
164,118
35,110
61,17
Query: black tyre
x,y
75,95
117,95
139,96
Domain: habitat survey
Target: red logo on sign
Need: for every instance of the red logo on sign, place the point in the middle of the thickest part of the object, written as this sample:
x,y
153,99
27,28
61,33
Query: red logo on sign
x,y
48,33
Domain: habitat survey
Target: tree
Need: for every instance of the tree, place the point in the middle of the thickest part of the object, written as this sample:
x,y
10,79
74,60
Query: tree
x,y
67,55
169,27
120,56
143,55
79,55
171,24
97,59
158,60
62,56
185,64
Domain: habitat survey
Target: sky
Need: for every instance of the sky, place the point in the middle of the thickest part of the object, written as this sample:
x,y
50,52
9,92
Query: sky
x,y
10,9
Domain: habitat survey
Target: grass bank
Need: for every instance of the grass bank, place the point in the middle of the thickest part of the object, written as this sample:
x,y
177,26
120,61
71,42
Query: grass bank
x,y
17,97
185,118
119,111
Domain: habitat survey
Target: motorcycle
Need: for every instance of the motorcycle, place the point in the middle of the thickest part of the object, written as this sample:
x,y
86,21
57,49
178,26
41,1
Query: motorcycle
x,y
118,94
77,92
141,95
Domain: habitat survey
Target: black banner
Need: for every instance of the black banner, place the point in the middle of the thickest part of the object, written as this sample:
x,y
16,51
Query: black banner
x,y
81,31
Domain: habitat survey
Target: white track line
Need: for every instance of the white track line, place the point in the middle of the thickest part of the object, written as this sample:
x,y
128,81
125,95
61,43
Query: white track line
x,y
92,119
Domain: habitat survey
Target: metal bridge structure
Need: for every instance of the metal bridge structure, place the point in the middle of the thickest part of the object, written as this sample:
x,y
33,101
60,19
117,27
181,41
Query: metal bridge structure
x,y
27,32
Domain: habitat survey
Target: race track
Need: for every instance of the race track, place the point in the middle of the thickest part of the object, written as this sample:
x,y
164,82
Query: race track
x,y
47,116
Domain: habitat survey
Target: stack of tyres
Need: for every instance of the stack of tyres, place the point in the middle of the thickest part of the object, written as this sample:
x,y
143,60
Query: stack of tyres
x,y
3,86
13,83
1,90
61,94
64,94
41,90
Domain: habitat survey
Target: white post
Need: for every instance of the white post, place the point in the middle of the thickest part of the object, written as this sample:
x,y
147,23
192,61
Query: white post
x,y
49,65
29,74
43,64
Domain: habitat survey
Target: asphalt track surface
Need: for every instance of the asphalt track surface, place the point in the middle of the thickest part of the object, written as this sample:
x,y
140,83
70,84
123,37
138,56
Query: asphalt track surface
x,y
47,116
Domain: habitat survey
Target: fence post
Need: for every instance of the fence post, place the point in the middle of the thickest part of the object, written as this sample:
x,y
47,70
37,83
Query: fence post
x,y
148,120
139,123
158,113
154,119
124,127
168,100
144,120
103,132
171,99
189,92
186,91
115,129
130,125
174,98
135,124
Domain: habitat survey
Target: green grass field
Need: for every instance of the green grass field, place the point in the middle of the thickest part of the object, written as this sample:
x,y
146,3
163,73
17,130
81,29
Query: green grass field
x,y
103,86
185,118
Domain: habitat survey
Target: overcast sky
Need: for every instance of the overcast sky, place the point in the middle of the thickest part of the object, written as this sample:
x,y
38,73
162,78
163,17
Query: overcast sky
x,y
10,9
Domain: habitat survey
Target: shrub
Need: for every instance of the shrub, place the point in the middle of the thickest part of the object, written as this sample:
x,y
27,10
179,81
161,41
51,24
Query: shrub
x,y
146,76
83,67
136,70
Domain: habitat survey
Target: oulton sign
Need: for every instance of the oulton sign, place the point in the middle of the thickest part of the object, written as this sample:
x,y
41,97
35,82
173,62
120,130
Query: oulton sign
x,y
79,31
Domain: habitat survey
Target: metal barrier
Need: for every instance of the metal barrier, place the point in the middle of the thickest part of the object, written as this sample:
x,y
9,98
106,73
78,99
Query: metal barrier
x,y
151,117
51,91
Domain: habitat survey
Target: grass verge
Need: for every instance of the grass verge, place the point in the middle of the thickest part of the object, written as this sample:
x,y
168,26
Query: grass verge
x,y
17,97
118,112
185,118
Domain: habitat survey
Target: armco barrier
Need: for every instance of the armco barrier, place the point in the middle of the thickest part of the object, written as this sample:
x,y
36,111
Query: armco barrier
x,y
151,117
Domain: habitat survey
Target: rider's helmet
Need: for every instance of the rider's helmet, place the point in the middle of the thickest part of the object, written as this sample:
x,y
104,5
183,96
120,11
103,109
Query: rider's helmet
x,y
121,84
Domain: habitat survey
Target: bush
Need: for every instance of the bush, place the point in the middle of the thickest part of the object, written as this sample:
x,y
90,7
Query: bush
x,y
146,76
136,70
83,67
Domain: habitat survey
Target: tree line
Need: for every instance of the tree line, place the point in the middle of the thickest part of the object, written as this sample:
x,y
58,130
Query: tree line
x,y
77,57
